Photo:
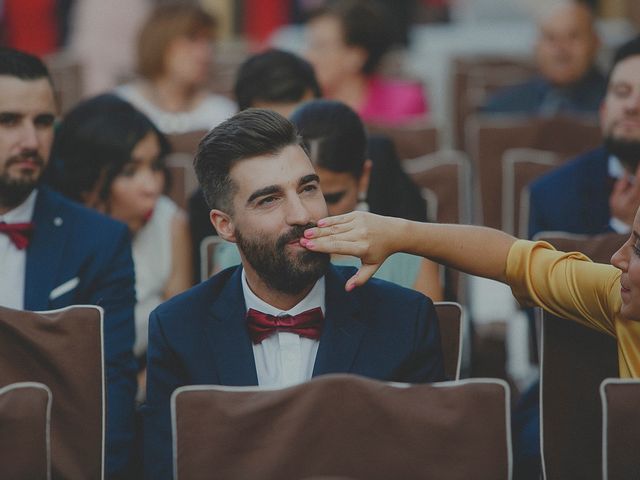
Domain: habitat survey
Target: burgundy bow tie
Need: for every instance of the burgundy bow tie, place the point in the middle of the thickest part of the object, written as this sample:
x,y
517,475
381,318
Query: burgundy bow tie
x,y
18,233
306,324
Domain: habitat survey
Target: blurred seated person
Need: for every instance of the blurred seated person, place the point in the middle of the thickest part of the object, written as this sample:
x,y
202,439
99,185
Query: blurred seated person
x,y
568,80
346,42
337,144
281,81
175,53
598,191
109,156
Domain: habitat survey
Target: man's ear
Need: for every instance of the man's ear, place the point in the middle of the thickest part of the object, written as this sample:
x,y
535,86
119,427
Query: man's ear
x,y
223,224
363,183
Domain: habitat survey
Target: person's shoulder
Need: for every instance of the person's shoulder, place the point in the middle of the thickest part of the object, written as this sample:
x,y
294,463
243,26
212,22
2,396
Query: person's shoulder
x,y
377,292
515,98
198,298
577,169
82,218
220,103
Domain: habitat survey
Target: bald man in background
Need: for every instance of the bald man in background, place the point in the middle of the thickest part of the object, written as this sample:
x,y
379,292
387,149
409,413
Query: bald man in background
x,y
568,80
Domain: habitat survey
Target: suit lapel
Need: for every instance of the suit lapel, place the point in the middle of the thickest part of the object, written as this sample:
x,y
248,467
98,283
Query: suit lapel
x,y
227,334
45,250
343,329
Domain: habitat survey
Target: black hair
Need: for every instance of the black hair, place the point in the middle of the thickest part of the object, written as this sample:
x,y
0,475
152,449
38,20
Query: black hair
x,y
365,24
94,142
334,135
274,76
250,133
626,50
24,66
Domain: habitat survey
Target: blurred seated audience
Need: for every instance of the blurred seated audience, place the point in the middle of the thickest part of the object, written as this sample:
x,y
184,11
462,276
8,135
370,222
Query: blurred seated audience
x,y
337,144
281,81
346,42
175,54
55,253
110,157
598,191
568,80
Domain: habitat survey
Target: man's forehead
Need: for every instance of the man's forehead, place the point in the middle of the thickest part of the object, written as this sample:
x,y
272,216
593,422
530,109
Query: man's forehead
x,y
627,70
289,165
17,95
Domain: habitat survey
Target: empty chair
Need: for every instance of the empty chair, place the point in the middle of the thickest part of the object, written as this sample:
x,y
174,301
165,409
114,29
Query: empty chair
x,y
186,142
343,426
450,319
25,447
574,361
62,349
183,178
520,166
411,140
489,136
621,428
598,248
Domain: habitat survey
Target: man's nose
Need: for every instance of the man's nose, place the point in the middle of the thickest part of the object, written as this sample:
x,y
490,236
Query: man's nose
x,y
29,137
297,212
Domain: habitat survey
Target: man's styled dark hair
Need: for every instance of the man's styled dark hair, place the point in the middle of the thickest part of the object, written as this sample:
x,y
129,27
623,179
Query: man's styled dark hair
x,y
94,142
24,66
250,133
365,24
333,134
274,76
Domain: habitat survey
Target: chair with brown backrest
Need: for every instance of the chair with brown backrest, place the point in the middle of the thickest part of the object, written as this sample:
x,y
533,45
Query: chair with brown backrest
x,y
444,178
475,78
344,426
574,361
183,178
598,248
186,142
450,319
521,166
489,136
620,429
207,256
25,416
66,73
62,349
418,138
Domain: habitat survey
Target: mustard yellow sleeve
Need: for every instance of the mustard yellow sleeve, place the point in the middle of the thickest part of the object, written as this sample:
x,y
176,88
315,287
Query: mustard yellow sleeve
x,y
568,285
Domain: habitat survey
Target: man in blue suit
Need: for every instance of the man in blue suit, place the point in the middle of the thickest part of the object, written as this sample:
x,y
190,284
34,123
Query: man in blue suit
x,y
599,191
54,253
283,316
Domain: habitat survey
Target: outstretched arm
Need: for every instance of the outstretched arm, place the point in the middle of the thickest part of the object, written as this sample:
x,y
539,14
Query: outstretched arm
x,y
475,250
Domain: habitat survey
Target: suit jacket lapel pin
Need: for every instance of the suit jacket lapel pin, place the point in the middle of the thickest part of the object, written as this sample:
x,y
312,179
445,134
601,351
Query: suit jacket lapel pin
x,y
57,221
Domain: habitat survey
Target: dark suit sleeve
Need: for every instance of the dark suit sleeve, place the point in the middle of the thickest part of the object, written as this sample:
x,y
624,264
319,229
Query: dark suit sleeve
x,y
426,363
114,291
536,212
163,377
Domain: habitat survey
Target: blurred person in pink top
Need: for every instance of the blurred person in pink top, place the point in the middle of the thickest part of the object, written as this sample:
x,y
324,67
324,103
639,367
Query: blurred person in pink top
x,y
346,42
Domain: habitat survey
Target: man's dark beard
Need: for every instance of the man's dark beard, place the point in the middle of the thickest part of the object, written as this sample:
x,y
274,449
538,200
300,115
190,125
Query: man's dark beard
x,y
627,151
279,270
14,191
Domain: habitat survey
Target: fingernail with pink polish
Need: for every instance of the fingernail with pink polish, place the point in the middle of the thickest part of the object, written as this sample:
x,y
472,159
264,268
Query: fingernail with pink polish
x,y
321,223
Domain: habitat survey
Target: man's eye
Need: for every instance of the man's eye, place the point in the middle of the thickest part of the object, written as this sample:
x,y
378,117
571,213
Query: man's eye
x,y
310,188
267,200
8,120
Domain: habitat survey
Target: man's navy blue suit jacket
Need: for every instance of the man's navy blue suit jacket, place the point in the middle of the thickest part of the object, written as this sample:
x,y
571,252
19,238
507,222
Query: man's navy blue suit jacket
x,y
80,248
380,330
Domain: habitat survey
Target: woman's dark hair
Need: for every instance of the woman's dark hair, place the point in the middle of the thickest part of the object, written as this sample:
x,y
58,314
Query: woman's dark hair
x,y
94,142
334,135
365,24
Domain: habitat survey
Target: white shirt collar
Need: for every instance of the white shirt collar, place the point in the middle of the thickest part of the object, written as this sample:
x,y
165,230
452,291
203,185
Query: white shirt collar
x,y
23,213
315,298
615,167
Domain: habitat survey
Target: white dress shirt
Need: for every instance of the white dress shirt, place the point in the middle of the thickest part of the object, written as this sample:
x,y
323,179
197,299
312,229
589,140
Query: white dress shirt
x,y
13,262
617,171
285,358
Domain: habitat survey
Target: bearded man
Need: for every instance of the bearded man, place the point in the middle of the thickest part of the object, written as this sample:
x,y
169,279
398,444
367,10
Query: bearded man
x,y
283,316
599,191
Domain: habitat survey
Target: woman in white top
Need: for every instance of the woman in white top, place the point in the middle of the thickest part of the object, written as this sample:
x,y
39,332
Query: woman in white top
x,y
110,157
175,53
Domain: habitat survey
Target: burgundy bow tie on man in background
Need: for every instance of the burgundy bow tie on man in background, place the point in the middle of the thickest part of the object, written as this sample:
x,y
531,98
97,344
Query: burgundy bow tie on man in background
x,y
306,324
18,233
